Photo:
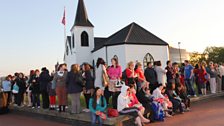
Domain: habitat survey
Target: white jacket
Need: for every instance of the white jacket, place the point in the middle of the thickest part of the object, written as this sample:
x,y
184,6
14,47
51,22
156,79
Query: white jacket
x,y
161,75
123,100
157,94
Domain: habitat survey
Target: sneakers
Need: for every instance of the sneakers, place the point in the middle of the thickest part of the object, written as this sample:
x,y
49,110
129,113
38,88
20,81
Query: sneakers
x,y
86,110
38,107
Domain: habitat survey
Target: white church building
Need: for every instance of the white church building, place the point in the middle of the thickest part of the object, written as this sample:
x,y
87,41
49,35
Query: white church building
x,y
131,43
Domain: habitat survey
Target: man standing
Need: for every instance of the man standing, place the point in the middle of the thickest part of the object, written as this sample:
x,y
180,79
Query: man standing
x,y
151,76
170,75
188,76
221,71
44,80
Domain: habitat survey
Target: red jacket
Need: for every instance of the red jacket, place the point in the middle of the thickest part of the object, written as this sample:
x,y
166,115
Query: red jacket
x,y
201,76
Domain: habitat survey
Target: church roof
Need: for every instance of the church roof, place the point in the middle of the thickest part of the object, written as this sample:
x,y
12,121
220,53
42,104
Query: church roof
x,y
131,34
81,18
99,42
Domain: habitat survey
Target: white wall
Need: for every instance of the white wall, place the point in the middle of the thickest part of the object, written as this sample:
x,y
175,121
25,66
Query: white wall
x,y
101,53
118,50
70,58
83,54
138,52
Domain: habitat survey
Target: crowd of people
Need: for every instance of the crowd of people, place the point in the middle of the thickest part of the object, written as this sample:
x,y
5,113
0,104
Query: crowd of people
x,y
149,94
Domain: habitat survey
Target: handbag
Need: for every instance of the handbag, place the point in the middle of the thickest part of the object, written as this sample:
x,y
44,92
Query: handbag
x,y
112,112
15,89
119,84
103,116
105,79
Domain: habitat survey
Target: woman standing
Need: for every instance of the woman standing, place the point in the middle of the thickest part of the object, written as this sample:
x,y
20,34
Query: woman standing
x,y
212,72
130,73
101,74
218,78
6,86
161,73
141,78
75,86
97,106
196,78
35,88
22,88
59,83
202,79
114,73
89,84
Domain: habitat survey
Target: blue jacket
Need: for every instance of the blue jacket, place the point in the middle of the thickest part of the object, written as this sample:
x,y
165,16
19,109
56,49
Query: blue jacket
x,y
98,106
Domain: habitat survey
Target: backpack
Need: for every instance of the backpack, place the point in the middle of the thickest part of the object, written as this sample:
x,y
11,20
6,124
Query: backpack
x,y
15,89
112,112
157,111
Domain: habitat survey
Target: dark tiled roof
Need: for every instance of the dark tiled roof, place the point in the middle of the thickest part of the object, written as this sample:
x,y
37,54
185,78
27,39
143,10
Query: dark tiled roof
x,y
131,34
81,18
99,42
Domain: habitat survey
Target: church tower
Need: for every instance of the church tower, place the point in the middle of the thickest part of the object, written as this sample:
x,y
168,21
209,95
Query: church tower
x,y
82,37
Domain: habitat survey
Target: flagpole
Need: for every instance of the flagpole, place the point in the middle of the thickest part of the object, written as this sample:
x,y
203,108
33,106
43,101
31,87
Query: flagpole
x,y
64,23
64,28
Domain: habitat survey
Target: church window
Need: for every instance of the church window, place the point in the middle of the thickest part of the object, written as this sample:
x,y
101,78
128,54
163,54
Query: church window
x,y
115,56
73,40
148,58
84,39
67,50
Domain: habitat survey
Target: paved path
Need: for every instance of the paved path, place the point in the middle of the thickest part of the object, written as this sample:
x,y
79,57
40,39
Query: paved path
x,y
17,120
206,113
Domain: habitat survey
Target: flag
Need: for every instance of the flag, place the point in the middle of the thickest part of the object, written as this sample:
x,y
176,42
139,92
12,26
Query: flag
x,y
63,19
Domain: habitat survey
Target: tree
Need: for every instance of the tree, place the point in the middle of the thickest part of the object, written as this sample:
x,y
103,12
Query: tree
x,y
215,54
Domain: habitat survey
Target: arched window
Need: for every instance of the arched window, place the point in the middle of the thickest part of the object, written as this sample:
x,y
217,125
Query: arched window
x,y
115,56
148,58
84,39
67,50
73,40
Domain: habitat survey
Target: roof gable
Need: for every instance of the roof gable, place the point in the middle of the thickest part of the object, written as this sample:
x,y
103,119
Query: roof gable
x,y
131,34
134,34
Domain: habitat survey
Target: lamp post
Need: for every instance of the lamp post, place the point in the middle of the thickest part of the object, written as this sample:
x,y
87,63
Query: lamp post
x,y
179,52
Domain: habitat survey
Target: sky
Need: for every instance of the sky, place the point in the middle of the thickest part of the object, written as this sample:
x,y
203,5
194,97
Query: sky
x,y
31,33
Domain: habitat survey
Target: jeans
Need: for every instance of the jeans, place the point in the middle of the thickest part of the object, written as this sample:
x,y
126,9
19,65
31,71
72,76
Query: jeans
x,y
189,85
36,99
96,118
